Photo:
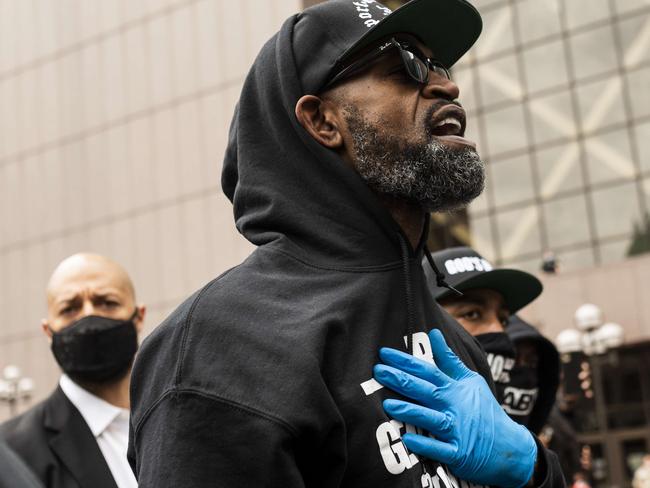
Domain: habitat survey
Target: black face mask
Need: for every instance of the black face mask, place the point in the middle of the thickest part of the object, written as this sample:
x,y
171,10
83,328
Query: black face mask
x,y
500,356
516,385
96,349
520,396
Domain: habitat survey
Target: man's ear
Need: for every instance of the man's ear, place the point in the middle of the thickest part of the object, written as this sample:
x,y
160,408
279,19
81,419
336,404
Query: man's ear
x,y
139,319
45,327
321,119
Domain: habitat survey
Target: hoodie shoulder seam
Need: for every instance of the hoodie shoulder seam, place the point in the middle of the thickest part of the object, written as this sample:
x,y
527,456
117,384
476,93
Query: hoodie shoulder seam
x,y
345,269
248,410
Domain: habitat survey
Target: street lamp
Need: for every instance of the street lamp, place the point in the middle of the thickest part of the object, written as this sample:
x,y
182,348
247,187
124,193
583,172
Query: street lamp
x,y
593,337
14,387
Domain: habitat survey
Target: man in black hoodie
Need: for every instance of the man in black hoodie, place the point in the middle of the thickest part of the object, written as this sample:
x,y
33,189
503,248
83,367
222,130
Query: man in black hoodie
x,y
265,376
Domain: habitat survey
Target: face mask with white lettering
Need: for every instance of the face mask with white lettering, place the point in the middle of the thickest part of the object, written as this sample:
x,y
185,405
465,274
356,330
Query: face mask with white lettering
x,y
520,395
96,349
500,356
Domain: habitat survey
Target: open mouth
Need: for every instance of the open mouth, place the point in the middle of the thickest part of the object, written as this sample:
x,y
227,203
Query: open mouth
x,y
448,121
448,125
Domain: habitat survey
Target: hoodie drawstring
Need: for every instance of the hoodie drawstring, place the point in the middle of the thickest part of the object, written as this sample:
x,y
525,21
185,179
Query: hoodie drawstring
x,y
440,276
410,309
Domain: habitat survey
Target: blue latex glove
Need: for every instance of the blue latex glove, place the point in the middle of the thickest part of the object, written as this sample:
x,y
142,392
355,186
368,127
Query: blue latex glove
x,y
474,437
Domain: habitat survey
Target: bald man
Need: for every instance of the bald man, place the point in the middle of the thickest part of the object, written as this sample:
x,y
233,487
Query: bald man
x,y
77,437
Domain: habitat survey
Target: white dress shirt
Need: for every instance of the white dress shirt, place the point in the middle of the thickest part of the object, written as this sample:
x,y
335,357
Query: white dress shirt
x,y
110,426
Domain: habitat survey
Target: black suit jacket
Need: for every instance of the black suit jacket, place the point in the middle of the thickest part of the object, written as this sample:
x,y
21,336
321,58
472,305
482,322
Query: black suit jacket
x,y
56,443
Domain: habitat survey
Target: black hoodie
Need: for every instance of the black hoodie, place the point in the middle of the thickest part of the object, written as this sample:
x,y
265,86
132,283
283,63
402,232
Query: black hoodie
x,y
264,376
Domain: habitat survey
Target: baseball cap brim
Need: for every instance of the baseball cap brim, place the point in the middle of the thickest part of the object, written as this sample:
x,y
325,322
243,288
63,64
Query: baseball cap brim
x,y
448,27
517,287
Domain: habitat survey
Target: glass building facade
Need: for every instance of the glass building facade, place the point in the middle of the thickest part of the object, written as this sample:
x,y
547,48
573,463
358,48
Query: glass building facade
x,y
558,99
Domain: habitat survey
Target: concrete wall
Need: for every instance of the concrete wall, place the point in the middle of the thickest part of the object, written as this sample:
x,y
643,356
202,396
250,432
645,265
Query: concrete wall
x,y
620,289
113,121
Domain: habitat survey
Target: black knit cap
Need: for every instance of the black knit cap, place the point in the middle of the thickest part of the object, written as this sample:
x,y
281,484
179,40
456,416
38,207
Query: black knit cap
x,y
330,33
465,269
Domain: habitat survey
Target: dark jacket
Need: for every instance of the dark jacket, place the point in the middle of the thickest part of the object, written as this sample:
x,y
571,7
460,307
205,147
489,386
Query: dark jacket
x,y
13,471
261,378
55,442
548,370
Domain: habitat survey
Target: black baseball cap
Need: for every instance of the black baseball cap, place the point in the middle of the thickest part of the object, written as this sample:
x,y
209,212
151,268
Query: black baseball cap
x,y
329,34
465,269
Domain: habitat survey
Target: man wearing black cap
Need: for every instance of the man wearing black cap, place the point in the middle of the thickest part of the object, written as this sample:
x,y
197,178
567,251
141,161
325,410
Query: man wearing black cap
x,y
345,136
525,365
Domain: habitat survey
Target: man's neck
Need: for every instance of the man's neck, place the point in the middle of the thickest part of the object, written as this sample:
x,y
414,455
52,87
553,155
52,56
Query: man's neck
x,y
115,393
408,215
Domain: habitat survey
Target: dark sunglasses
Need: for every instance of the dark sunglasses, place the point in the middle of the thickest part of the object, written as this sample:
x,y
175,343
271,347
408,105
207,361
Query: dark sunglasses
x,y
417,65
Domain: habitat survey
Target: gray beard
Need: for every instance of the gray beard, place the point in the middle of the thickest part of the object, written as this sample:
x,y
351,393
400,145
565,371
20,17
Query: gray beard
x,y
438,177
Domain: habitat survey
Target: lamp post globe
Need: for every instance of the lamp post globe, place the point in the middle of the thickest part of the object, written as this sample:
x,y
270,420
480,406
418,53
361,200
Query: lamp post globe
x,y
588,317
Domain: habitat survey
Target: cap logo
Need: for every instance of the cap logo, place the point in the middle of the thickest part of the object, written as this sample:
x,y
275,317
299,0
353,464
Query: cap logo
x,y
467,263
365,11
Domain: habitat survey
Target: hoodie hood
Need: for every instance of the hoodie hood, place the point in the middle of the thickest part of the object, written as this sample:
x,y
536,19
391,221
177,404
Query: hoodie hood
x,y
548,370
286,186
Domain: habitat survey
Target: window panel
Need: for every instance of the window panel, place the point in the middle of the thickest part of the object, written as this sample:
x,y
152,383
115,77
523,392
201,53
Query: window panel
x,y
614,251
552,117
593,52
639,89
601,103
512,180
482,240
609,157
519,231
497,32
530,265
505,129
499,81
480,203
538,19
566,221
582,12
576,259
623,6
635,39
616,209
559,169
545,66
642,132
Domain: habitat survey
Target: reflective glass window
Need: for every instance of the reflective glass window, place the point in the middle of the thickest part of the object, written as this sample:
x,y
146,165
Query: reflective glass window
x,y
609,157
512,180
623,6
519,231
566,221
538,19
559,169
552,117
638,83
505,129
575,259
635,39
612,252
545,66
617,209
482,240
642,133
499,81
497,32
601,103
593,52
582,12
